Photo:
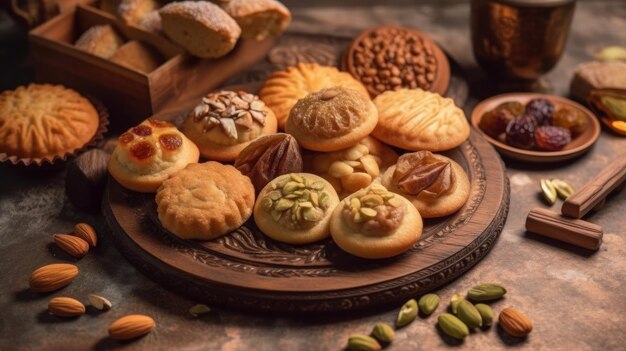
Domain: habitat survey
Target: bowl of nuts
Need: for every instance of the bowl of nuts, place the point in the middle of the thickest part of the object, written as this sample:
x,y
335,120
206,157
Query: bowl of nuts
x,y
536,127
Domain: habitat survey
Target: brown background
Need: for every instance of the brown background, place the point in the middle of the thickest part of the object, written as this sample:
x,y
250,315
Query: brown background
x,y
575,298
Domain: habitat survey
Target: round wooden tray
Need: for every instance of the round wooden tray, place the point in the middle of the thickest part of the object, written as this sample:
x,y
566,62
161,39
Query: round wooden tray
x,y
246,270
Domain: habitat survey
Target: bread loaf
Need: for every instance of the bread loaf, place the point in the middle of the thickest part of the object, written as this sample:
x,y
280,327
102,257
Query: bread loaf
x,y
100,40
258,19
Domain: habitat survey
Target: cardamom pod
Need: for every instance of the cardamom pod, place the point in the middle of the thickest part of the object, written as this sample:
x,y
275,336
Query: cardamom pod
x,y
469,314
563,189
486,292
428,303
407,313
383,333
453,326
486,313
549,191
363,343
454,302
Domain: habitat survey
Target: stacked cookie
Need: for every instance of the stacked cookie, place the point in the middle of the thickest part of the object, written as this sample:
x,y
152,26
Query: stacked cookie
x,y
333,173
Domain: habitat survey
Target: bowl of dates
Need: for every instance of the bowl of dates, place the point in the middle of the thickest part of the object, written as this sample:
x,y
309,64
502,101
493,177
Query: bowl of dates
x,y
536,127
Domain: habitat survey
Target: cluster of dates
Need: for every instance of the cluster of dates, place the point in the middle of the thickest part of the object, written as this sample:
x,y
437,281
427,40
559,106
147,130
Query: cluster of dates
x,y
534,126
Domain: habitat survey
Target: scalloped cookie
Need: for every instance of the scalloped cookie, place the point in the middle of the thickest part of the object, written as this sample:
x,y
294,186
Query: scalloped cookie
x,y
414,119
332,119
149,153
375,223
436,185
205,201
284,88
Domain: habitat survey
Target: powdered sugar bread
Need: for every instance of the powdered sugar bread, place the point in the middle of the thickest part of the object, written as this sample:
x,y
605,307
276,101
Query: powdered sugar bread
x,y
133,11
259,19
201,27
101,40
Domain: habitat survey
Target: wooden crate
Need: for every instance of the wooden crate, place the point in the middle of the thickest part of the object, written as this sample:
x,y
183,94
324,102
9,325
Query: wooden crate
x,y
130,95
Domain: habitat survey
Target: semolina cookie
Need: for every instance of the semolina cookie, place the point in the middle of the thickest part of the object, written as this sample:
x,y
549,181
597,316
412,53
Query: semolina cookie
x,y
414,119
295,208
332,119
436,185
284,88
205,201
149,153
375,223
225,122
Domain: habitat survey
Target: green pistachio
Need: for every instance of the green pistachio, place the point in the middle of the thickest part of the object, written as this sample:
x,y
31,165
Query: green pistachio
x,y
453,326
549,191
383,333
486,313
199,310
363,343
428,303
407,313
454,302
469,314
486,292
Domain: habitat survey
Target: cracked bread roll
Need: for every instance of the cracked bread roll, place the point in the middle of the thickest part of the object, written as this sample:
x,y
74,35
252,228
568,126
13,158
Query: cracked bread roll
x,y
202,28
259,19
101,40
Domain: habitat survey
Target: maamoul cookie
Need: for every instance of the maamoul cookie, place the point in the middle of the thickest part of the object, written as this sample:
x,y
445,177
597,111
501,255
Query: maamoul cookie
x,y
201,27
436,185
414,119
295,208
43,121
353,168
205,201
149,153
259,19
101,40
283,89
375,223
225,122
137,56
332,119
132,11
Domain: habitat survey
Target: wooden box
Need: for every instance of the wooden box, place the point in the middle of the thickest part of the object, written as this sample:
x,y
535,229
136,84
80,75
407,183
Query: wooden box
x,y
130,95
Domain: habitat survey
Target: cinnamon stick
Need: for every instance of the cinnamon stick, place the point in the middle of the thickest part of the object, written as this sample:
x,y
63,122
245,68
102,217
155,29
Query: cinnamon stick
x,y
573,231
596,190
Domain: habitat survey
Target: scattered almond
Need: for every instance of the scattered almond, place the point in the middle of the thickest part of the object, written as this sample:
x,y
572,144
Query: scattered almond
x,y
73,245
99,302
515,322
131,326
87,233
66,307
52,277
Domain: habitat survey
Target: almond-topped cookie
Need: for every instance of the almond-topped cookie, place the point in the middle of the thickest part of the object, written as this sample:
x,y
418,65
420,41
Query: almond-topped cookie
x,y
205,201
225,122
149,153
295,208
414,119
436,185
375,223
332,119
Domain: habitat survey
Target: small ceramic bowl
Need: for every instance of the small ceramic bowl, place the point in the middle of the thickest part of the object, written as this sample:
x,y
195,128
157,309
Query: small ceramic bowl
x,y
579,145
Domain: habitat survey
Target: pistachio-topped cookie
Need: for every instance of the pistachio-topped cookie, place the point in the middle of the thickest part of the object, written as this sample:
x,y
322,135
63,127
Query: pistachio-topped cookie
x,y
225,122
375,223
295,208
436,185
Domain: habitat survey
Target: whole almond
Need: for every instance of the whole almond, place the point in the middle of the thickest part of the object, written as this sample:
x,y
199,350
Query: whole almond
x,y
52,277
73,245
87,233
131,326
66,307
515,322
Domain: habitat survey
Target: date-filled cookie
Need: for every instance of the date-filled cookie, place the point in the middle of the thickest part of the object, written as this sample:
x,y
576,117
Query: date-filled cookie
x,y
295,208
205,201
414,119
149,153
375,223
332,119
436,185
284,88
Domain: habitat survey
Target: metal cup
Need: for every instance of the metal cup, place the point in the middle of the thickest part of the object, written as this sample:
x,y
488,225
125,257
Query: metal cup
x,y
520,39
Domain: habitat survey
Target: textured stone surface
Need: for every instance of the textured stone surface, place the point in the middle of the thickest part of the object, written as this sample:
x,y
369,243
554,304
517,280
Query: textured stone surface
x,y
575,298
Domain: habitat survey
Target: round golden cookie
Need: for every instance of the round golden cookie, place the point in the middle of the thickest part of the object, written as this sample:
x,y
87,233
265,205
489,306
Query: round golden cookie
x,y
205,201
149,153
43,121
414,119
436,185
283,89
295,208
332,119
225,122
354,168
375,223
